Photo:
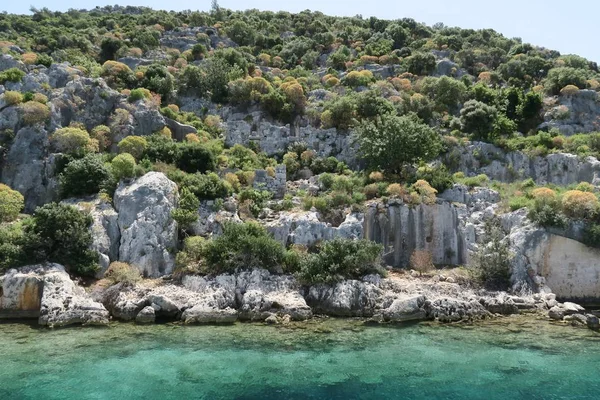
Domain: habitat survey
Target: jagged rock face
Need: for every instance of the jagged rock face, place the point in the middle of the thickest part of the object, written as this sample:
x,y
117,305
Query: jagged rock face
x,y
576,113
560,168
179,130
403,229
8,62
305,228
345,299
47,291
274,184
29,168
549,262
105,229
85,100
252,295
274,139
148,233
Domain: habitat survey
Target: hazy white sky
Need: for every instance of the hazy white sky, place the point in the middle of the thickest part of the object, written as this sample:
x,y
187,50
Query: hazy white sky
x,y
566,26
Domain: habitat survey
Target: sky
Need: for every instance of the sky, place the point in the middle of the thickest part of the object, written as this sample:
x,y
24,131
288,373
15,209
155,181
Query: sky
x,y
567,26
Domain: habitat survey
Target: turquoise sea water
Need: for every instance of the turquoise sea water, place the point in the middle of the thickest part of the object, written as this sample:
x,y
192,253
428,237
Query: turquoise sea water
x,y
514,358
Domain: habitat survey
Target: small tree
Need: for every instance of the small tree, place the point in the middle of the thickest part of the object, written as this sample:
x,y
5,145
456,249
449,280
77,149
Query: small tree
x,y
123,166
491,264
186,212
60,233
421,261
391,142
84,176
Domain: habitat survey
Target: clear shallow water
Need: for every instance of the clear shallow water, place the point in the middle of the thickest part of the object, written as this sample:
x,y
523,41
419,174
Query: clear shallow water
x,y
335,359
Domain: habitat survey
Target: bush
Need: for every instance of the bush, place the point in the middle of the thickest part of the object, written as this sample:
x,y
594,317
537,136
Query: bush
x,y
243,246
120,272
134,145
579,205
491,264
478,119
11,75
339,113
60,233
355,78
12,254
71,140
425,194
186,212
33,112
189,259
161,149
11,203
420,63
194,157
117,75
84,176
340,259
420,261
13,97
123,166
102,134
391,142
207,187
139,94
437,176
560,77
396,190
546,208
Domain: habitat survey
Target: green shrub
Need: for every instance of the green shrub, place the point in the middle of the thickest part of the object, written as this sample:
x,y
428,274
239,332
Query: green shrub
x,y
491,264
518,202
134,145
11,75
207,187
546,208
120,272
560,77
11,203
139,94
186,212
84,176
12,237
60,233
195,157
420,63
437,176
243,246
340,259
161,149
71,140
591,235
580,205
256,199
391,142
123,166
478,119
339,113
33,113
189,259
13,97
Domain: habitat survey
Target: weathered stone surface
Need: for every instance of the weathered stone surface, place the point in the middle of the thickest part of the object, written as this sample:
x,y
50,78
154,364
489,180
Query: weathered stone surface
x,y
593,322
211,222
274,184
402,229
558,168
406,309
344,299
30,169
46,291
145,316
201,314
179,130
574,113
305,228
148,233
7,62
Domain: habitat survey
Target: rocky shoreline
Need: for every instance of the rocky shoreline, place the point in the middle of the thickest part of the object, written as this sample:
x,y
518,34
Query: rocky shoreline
x,y
47,293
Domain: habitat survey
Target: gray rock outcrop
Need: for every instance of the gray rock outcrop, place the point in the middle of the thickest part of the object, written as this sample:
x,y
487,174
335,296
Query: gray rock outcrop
x,y
47,292
148,233
574,113
30,169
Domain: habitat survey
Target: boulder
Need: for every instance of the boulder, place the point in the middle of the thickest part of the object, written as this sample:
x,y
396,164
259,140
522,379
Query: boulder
x,y
556,313
8,62
179,130
46,291
453,310
405,309
349,298
593,322
145,316
202,314
148,233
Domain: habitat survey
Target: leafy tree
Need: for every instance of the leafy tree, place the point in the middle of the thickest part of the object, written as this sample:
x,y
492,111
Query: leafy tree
x,y
446,92
60,233
492,262
478,119
560,77
340,259
84,176
158,80
186,212
390,142
420,63
193,157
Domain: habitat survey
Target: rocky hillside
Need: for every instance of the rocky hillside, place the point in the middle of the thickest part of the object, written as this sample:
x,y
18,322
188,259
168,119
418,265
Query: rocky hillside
x,y
317,151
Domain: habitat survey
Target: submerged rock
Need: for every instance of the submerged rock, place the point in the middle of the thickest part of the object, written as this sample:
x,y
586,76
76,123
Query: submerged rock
x,y
145,316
